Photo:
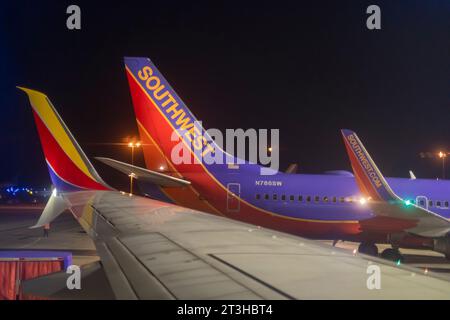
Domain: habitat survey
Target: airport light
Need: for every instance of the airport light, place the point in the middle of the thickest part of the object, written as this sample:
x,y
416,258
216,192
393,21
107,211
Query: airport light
x,y
132,146
441,155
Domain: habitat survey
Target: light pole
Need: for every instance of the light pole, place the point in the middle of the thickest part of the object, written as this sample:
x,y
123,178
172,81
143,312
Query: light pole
x,y
443,155
132,145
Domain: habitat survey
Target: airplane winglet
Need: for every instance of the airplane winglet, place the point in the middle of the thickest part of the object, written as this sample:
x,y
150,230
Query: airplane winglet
x,y
368,177
69,168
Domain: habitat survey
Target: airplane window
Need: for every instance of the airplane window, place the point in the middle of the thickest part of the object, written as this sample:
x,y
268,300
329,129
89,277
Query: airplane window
x,y
334,199
438,203
341,199
308,199
316,199
258,196
291,198
266,196
446,204
300,198
430,203
283,197
422,203
325,199
274,196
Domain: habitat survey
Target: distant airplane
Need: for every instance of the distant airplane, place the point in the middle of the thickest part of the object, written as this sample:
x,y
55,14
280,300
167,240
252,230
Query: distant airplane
x,y
326,206
154,250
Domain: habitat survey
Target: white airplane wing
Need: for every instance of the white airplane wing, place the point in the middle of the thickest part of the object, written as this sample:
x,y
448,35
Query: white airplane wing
x,y
154,250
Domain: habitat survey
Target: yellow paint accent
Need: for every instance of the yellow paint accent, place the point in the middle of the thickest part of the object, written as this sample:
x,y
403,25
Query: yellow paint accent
x,y
87,218
43,108
220,184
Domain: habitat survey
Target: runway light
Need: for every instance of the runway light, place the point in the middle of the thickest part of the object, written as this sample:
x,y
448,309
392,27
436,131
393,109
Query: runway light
x,y
398,262
161,168
363,201
426,270
354,251
408,202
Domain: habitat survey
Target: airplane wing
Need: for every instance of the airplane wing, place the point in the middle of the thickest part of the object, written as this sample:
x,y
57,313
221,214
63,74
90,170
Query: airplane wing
x,y
155,250
382,199
157,178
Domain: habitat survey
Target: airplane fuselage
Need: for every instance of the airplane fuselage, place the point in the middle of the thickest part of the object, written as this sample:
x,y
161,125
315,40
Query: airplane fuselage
x,y
325,206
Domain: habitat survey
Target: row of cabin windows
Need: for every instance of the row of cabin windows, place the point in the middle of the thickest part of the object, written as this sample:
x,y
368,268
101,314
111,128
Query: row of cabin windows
x,y
302,198
325,199
439,204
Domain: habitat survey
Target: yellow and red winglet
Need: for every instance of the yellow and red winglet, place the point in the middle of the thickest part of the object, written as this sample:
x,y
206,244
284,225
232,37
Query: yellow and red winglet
x,y
70,169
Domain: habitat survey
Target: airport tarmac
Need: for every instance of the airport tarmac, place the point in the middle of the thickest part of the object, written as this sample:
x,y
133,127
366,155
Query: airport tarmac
x,y
67,235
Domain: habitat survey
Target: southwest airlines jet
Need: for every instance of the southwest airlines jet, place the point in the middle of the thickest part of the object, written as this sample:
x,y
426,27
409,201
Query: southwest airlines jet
x,y
362,207
155,250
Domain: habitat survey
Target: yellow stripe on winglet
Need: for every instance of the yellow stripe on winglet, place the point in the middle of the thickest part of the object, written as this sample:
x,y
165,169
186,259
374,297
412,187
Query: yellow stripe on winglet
x,y
41,105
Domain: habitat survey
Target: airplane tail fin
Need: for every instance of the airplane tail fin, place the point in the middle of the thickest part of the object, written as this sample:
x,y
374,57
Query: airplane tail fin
x,y
165,123
69,168
162,117
369,178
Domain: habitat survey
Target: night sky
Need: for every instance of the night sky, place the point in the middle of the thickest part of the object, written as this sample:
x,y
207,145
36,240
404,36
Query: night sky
x,y
307,68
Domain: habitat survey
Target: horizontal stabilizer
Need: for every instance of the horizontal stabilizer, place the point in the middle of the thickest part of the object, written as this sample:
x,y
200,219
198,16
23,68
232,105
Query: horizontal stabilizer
x,y
157,178
292,168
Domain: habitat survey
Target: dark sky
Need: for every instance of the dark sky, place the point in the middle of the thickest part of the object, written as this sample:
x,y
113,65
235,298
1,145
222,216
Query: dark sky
x,y
307,68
